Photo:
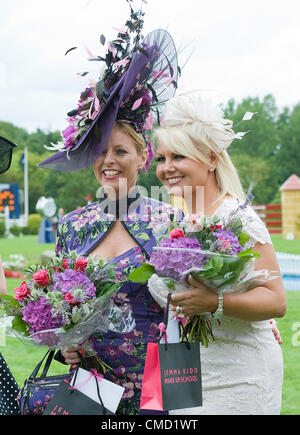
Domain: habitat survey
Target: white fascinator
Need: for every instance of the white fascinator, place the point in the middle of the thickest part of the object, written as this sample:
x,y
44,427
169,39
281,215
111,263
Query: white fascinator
x,y
205,117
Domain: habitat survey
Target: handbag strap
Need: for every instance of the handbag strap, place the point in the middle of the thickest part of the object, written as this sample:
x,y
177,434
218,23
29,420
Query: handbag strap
x,y
166,318
167,309
99,396
50,354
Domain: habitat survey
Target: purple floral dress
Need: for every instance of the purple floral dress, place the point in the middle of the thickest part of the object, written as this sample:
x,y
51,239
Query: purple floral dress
x,y
82,230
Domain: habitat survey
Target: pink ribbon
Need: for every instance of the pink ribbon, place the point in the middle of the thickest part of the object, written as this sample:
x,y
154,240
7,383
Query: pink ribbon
x,y
92,372
163,330
182,320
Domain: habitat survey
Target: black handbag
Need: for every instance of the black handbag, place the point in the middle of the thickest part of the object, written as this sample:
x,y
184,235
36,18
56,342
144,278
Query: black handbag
x,y
37,391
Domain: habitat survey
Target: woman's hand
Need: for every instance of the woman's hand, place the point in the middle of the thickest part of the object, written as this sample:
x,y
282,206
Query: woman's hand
x,y
195,301
71,357
275,331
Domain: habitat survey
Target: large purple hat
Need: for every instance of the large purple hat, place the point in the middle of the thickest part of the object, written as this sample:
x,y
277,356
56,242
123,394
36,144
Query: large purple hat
x,y
133,87
6,150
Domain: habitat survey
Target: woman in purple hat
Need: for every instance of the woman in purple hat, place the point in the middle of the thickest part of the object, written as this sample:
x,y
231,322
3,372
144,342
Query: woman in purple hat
x,y
108,130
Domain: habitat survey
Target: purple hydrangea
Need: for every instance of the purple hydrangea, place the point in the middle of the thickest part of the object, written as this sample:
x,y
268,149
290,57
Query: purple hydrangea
x,y
226,243
39,316
173,263
76,283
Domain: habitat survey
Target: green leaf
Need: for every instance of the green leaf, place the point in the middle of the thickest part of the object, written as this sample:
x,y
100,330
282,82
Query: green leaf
x,y
243,238
143,236
18,324
142,274
169,283
217,262
249,253
9,305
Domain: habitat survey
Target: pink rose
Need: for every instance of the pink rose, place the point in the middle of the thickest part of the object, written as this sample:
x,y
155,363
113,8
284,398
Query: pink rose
x,y
65,264
81,264
41,277
69,298
177,233
22,292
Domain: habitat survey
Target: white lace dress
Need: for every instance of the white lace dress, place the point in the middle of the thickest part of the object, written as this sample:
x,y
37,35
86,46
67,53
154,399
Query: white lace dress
x,y
242,370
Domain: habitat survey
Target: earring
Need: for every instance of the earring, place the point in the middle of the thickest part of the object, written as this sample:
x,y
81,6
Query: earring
x,y
211,169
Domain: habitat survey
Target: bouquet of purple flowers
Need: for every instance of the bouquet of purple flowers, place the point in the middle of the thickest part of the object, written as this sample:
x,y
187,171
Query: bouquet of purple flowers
x,y
210,250
65,302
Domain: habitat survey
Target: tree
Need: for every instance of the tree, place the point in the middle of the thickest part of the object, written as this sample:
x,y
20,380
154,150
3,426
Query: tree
x,y
149,178
36,177
69,189
264,158
35,141
288,153
255,154
255,173
262,139
15,134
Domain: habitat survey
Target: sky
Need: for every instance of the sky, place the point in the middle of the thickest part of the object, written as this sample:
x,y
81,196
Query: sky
x,y
234,49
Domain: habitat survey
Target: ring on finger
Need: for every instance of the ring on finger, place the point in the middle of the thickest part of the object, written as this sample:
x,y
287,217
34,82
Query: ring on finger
x,y
179,311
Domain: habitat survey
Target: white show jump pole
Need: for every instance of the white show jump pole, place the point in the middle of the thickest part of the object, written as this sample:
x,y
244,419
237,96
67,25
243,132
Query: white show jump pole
x,y
26,203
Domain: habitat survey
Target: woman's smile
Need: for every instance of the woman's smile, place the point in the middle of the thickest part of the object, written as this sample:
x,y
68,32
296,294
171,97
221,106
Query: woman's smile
x,y
174,180
111,174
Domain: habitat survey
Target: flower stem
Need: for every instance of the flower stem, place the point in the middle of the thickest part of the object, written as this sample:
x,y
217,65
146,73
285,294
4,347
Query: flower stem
x,y
198,328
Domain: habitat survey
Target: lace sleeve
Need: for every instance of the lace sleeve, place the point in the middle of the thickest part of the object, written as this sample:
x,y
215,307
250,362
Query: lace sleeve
x,y
252,223
255,228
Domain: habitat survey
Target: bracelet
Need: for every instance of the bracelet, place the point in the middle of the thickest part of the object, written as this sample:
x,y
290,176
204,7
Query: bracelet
x,y
219,311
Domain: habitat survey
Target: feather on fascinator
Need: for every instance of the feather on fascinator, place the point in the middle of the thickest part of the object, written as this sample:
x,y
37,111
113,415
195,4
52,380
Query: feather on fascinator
x,y
138,78
206,116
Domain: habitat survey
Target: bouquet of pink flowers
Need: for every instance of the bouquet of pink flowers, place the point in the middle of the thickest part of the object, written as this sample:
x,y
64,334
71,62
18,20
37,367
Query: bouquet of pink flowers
x,y
210,250
65,302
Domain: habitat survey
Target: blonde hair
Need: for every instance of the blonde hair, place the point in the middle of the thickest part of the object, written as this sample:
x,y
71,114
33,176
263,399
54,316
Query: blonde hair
x,y
195,129
138,138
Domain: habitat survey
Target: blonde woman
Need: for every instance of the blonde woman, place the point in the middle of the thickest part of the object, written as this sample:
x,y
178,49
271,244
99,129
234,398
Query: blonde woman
x,y
242,370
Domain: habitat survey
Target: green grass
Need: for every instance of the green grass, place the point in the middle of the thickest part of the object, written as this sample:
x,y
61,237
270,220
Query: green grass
x,y
23,358
291,354
288,246
27,246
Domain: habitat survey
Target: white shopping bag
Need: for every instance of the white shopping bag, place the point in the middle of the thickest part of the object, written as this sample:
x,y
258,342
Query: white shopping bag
x,y
110,392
